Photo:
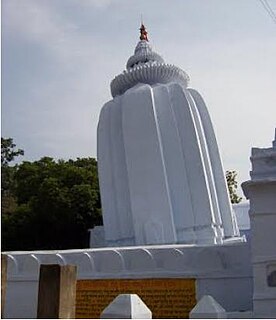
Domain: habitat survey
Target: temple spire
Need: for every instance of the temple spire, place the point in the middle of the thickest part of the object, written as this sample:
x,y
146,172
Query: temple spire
x,y
143,32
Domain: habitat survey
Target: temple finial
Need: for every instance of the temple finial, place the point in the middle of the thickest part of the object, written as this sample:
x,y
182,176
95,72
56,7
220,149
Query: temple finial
x,y
143,32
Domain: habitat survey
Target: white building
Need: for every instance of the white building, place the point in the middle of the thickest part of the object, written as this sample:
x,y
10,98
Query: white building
x,y
261,191
160,173
163,191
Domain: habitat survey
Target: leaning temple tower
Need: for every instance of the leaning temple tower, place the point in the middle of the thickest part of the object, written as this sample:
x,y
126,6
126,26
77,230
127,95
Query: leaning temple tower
x,y
161,176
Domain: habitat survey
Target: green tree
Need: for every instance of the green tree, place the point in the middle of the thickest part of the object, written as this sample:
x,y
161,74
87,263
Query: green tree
x,y
58,201
8,151
8,154
231,178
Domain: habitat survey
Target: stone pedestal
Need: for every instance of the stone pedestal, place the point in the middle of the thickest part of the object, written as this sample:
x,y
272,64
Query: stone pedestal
x,y
261,190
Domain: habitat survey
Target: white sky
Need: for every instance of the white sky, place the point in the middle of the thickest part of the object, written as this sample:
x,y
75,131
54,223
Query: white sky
x,y
59,56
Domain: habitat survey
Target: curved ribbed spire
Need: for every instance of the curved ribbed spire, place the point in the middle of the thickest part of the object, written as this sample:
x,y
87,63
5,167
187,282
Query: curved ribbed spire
x,y
146,66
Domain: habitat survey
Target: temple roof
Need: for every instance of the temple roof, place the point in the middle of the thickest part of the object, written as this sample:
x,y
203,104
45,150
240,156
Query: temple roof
x,y
146,66
143,53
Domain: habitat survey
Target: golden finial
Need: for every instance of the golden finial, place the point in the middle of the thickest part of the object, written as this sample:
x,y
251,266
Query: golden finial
x,y
143,31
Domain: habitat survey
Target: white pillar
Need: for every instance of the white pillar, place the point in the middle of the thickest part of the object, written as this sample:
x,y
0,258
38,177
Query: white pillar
x,y
261,191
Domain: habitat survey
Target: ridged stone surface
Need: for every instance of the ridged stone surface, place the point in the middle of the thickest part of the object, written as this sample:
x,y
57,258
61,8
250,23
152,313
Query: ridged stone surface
x,y
150,73
148,261
160,173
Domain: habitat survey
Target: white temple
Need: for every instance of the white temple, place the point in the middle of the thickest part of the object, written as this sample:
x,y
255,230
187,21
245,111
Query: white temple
x,y
161,176
162,182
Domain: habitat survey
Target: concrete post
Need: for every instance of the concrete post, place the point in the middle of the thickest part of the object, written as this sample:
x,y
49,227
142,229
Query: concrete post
x,y
127,306
207,308
57,292
4,263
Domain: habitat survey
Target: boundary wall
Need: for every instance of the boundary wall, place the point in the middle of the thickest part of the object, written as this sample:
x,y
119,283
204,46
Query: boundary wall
x,y
223,271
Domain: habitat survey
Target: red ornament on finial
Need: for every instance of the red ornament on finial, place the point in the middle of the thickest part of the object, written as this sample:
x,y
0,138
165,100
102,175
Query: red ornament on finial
x,y
143,33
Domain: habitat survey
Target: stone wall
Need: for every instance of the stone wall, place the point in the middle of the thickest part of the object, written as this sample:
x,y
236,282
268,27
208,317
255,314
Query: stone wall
x,y
221,271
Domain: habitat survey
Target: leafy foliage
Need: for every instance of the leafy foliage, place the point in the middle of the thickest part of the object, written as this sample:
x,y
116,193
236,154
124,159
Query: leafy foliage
x,y
8,154
56,203
8,151
232,184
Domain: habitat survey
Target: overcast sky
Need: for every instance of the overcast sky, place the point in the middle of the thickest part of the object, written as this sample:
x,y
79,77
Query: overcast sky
x,y
59,56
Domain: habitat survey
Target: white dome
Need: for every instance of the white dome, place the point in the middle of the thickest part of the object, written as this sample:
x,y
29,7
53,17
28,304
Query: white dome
x,y
143,53
146,66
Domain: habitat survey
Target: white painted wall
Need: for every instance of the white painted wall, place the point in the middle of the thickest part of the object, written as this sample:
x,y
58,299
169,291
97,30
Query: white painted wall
x,y
242,214
221,271
261,191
